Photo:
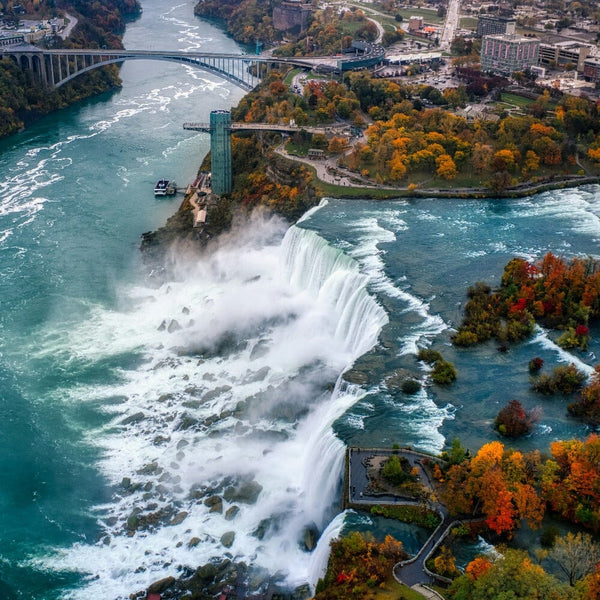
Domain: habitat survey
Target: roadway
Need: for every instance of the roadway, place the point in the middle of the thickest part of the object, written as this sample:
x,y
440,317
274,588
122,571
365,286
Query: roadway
x,y
450,24
72,21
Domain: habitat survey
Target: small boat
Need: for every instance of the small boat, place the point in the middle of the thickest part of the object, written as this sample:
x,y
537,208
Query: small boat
x,y
164,187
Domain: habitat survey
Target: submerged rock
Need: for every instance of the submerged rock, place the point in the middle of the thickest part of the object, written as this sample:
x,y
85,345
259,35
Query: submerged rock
x,y
135,418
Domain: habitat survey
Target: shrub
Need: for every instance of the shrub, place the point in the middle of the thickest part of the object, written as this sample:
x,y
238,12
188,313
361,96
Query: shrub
x,y
429,356
564,380
443,372
549,536
397,470
410,386
536,364
513,420
465,338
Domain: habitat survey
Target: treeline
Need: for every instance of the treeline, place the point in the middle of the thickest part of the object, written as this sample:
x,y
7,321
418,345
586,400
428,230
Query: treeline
x,y
358,567
410,139
507,487
262,178
248,21
554,292
99,24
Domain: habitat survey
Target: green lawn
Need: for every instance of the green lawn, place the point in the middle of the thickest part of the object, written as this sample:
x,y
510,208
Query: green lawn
x,y
429,16
516,100
290,75
392,590
468,23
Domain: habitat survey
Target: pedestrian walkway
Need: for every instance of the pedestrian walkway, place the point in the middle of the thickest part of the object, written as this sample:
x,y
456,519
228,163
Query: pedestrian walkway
x,y
427,592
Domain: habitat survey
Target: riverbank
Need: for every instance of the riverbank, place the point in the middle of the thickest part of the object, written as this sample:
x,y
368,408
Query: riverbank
x,y
327,186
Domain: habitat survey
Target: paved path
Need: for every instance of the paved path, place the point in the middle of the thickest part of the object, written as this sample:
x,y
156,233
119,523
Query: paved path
x,y
427,592
64,34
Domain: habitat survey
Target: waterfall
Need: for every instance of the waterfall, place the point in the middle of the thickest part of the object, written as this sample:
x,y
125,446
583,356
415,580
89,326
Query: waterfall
x,y
333,277
236,394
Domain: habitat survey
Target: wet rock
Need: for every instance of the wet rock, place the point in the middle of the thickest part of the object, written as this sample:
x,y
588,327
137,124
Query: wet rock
x,y
231,512
162,326
263,526
180,517
150,469
252,376
310,537
394,380
187,422
161,585
302,592
215,503
245,492
135,418
182,444
216,392
228,538
126,483
209,377
173,326
159,440
193,542
240,428
194,390
191,404
185,310
133,520
165,397
356,377
259,350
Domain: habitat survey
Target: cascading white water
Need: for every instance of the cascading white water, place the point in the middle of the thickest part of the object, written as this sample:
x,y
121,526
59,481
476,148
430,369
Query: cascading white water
x,y
240,352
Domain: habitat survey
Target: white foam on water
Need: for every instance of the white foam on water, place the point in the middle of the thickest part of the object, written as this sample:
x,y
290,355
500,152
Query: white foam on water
x,y
541,338
311,211
261,321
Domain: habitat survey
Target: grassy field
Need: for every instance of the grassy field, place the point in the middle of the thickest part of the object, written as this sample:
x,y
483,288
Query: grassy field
x,y
290,75
516,100
468,23
429,16
392,590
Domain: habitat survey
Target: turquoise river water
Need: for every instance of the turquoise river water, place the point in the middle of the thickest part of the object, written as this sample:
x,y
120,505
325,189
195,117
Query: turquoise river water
x,y
123,396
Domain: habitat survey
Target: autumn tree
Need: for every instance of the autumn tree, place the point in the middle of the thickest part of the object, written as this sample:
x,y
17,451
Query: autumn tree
x,y
511,574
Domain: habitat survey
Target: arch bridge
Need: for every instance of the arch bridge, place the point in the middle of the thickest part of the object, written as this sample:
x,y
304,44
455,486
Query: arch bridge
x,y
54,68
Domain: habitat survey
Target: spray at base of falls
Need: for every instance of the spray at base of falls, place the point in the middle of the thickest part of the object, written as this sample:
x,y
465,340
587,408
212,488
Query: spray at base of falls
x,y
231,404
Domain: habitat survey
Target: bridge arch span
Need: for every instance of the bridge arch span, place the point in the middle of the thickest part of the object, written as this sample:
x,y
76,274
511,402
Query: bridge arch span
x,y
248,83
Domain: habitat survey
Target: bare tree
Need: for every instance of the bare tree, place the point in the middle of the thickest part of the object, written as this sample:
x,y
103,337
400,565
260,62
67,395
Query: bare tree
x,y
575,556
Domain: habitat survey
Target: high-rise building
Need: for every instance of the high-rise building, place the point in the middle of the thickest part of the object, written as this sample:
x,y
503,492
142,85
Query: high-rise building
x,y
220,151
505,54
492,25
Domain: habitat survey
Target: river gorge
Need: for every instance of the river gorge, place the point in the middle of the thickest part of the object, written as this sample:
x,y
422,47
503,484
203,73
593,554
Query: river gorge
x,y
154,424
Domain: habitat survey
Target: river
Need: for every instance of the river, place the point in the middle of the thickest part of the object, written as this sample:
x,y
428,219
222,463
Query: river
x,y
132,407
